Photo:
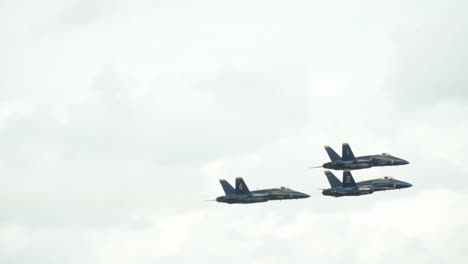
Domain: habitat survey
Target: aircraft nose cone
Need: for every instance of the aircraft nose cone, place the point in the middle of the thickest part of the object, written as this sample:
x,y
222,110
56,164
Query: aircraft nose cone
x,y
400,162
404,162
405,185
302,195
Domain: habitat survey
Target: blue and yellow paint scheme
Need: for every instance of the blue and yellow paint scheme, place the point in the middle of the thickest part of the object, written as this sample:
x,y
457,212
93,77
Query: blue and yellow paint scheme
x,y
242,195
350,188
349,162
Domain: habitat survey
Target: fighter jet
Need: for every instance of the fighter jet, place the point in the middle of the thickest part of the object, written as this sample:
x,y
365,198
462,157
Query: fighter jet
x,y
349,162
350,188
243,195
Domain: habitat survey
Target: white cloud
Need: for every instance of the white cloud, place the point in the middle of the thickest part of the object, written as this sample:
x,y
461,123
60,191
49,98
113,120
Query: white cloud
x,y
422,227
115,124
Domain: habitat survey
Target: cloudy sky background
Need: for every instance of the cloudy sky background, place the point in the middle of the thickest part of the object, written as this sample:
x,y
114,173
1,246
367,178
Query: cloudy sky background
x,y
117,118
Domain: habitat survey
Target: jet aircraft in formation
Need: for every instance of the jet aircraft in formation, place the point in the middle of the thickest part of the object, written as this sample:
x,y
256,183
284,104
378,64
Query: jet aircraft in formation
x,y
348,161
350,188
241,194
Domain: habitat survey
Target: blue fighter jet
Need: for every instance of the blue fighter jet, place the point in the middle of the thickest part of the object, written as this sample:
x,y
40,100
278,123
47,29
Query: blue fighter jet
x,y
243,195
349,162
350,188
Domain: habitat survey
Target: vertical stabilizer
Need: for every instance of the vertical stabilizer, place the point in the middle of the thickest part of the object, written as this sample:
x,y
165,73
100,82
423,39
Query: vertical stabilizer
x,y
347,153
332,154
348,180
332,179
241,187
228,189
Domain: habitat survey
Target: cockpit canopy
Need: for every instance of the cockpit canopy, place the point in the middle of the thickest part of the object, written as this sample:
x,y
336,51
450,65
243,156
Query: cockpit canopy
x,y
386,154
388,178
284,188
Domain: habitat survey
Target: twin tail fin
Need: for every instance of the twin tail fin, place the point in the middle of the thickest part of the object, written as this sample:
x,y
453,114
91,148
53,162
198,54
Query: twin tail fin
x,y
241,187
332,154
347,153
332,179
228,189
348,180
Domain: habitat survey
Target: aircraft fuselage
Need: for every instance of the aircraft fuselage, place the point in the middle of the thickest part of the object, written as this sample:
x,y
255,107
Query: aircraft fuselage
x,y
367,187
261,196
365,162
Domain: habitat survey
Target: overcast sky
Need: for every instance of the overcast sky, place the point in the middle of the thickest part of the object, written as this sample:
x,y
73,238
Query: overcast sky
x,y
117,118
